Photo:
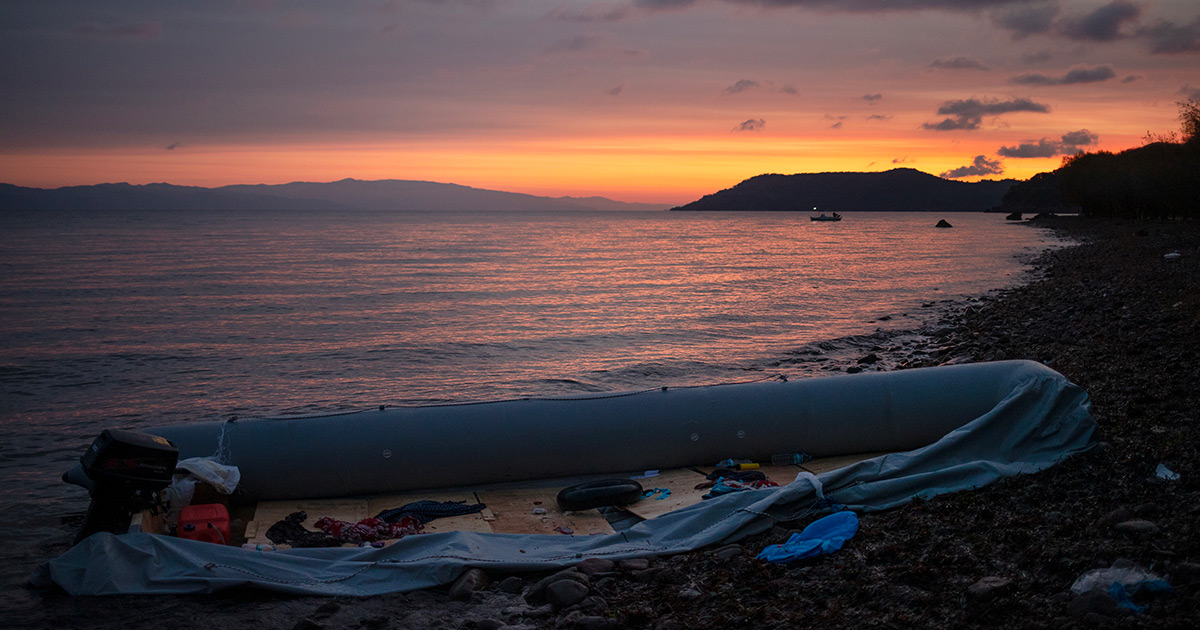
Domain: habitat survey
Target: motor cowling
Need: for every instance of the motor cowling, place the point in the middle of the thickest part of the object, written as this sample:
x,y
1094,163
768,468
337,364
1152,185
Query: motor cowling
x,y
125,471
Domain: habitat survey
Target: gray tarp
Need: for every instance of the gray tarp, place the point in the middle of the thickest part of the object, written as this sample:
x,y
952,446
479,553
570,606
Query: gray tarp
x,y
1043,419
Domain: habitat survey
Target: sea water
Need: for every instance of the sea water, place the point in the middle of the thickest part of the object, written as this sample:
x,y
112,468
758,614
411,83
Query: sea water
x,y
137,319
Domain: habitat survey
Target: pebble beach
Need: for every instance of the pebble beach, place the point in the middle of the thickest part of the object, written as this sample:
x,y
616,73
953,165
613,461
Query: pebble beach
x,y
1118,314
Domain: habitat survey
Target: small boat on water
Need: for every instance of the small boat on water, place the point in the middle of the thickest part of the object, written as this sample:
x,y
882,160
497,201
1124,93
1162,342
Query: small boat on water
x,y
863,442
825,217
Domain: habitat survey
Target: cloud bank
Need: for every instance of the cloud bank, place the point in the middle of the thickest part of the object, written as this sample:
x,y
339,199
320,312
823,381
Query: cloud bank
x,y
1077,75
968,114
1068,144
958,63
753,124
981,166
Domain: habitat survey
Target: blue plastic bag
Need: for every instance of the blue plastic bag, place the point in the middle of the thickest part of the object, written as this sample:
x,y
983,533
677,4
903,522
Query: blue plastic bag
x,y
824,535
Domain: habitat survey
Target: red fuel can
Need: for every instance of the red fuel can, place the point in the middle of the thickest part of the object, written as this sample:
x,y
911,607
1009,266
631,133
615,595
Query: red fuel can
x,y
209,523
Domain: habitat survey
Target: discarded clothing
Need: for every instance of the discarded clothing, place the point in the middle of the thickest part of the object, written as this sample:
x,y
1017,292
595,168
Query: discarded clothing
x,y
289,531
368,529
736,475
662,492
725,486
425,511
824,535
224,478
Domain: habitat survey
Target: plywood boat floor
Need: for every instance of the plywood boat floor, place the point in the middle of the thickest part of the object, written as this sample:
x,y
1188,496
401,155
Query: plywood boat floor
x,y
510,507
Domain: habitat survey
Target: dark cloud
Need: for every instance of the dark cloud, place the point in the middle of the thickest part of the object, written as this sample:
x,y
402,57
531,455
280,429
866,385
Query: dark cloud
x,y
577,43
958,63
1041,56
753,124
1077,75
741,86
1080,138
846,6
614,91
173,146
902,160
143,30
981,166
1131,78
590,13
882,117
1068,144
1102,25
864,6
1190,92
1170,38
968,113
663,5
790,89
1027,20
871,98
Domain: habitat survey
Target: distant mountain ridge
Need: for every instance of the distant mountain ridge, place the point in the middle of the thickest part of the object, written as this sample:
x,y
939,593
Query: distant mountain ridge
x,y
899,190
346,194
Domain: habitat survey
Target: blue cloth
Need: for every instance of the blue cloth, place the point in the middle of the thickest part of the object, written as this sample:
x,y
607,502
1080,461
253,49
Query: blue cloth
x,y
824,535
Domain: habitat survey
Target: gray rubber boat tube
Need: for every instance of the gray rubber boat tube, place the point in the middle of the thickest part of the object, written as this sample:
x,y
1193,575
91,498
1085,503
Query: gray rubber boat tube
x,y
409,448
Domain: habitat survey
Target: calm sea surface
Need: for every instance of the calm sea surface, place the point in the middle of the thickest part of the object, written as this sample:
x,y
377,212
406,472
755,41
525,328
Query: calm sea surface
x,y
141,319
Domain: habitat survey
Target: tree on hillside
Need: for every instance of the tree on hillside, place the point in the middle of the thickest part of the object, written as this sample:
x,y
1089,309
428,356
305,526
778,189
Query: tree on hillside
x,y
1159,180
1189,119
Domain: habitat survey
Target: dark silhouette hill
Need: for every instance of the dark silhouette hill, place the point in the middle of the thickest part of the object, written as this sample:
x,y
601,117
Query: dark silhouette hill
x,y
900,190
144,197
347,194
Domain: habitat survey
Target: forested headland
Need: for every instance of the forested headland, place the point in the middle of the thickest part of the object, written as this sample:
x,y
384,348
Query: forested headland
x,y
1159,180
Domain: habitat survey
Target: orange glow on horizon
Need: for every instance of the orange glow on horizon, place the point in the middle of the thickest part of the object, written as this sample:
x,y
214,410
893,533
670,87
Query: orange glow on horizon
x,y
667,170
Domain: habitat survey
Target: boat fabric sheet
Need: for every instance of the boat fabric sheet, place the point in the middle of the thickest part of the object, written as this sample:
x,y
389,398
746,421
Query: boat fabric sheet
x,y
1044,419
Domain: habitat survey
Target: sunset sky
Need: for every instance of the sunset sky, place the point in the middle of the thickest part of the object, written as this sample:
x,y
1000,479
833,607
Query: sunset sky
x,y
638,100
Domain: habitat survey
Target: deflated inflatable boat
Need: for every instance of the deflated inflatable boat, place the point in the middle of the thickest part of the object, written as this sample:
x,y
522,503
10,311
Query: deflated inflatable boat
x,y
945,429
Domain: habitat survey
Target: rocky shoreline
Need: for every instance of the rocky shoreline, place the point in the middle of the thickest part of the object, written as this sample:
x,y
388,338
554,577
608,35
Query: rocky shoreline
x,y
1114,314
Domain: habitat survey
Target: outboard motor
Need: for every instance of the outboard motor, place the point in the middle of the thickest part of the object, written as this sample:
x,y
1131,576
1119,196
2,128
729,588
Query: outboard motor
x,y
125,471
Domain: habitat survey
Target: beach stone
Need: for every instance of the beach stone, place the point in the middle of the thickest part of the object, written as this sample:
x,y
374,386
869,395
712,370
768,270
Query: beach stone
x,y
594,603
511,585
634,564
488,623
576,620
942,223
854,369
592,566
595,622
989,587
328,608
670,576
469,582
378,622
1137,527
564,593
645,576
689,593
1116,516
727,552
870,359
1186,572
307,623
538,591
1145,509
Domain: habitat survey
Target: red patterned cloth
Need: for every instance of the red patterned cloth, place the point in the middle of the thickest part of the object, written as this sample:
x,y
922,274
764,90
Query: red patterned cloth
x,y
368,529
